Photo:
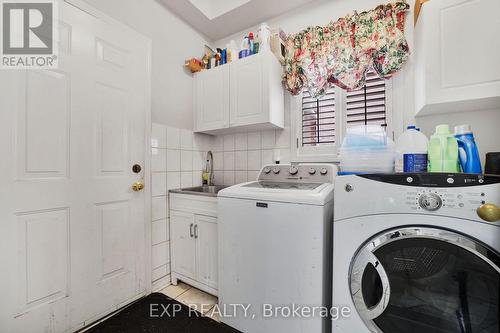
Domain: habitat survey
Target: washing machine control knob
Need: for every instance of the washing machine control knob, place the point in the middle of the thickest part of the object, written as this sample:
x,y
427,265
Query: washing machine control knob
x,y
267,170
276,170
323,171
312,171
293,170
430,201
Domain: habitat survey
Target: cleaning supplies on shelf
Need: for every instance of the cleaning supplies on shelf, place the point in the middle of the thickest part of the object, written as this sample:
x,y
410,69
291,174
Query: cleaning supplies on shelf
x,y
232,50
264,34
366,149
411,151
467,150
251,45
443,151
244,48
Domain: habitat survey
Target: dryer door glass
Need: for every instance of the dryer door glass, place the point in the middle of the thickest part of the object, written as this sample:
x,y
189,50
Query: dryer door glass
x,y
427,284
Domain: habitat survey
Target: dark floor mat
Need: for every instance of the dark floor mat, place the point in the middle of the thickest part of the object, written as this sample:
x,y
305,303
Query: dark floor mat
x,y
136,318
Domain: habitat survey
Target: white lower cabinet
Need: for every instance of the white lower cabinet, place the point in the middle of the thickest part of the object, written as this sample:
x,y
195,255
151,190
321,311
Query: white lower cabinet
x,y
206,248
183,243
194,241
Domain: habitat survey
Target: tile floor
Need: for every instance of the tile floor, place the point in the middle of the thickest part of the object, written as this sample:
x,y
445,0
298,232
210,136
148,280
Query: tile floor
x,y
194,298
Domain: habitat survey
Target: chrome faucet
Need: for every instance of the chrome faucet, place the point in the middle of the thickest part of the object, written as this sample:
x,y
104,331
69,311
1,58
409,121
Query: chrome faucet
x,y
210,161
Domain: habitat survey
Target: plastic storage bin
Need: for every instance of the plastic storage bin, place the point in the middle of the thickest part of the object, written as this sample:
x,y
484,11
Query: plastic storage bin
x,y
366,149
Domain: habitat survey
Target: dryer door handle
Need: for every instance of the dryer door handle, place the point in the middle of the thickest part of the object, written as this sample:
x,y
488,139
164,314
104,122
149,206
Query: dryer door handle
x,y
363,262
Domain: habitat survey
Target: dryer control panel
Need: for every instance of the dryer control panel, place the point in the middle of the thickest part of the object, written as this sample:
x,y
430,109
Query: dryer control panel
x,y
418,194
431,200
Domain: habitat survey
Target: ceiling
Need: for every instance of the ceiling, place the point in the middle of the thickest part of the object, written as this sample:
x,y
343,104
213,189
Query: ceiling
x,y
221,18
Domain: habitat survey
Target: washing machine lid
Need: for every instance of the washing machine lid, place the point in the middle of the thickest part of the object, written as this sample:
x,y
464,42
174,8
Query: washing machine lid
x,y
299,183
299,193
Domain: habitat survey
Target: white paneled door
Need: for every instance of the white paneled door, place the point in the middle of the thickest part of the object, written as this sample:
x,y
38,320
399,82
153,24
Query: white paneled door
x,y
72,231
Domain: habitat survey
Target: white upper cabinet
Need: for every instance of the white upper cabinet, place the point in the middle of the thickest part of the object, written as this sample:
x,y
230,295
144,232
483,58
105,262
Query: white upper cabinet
x,y
212,99
253,97
457,47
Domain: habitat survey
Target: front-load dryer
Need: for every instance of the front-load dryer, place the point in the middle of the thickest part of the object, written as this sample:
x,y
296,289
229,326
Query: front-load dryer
x,y
413,255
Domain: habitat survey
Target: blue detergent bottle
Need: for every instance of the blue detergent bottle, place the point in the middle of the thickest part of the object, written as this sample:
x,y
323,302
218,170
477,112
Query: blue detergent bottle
x,y
467,150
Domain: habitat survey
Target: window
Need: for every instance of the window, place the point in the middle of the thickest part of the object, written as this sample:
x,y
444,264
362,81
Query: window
x,y
320,124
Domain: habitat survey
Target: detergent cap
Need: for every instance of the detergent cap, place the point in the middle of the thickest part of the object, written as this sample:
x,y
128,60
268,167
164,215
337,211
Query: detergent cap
x,y
443,129
463,129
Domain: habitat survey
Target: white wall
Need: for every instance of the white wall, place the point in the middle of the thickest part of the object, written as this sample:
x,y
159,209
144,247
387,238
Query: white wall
x,y
173,42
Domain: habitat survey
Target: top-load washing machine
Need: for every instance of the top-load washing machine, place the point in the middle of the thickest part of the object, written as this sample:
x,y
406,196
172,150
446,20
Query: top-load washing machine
x,y
417,253
275,246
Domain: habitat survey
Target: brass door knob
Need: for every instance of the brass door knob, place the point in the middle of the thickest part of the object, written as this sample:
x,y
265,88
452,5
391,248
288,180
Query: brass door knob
x,y
489,212
137,186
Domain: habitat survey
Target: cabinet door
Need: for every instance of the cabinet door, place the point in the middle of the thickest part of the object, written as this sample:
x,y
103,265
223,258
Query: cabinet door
x,y
183,243
212,99
206,248
247,91
456,64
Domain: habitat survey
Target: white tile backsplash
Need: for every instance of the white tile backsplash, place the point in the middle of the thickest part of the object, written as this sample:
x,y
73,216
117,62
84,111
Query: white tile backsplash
x,y
159,208
186,140
229,142
159,184
254,160
158,160
240,160
283,138
199,160
186,160
252,175
240,177
268,139
267,157
158,136
229,178
186,179
159,231
218,143
160,272
251,152
173,180
218,160
173,160
228,160
160,253
197,181
240,141
173,138
254,141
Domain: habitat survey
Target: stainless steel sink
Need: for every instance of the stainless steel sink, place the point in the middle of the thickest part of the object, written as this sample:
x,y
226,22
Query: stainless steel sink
x,y
200,190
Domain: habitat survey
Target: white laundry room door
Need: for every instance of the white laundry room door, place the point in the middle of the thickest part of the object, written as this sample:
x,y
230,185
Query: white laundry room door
x,y
72,230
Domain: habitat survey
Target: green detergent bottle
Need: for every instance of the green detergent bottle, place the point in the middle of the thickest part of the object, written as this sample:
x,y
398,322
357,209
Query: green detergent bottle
x,y
443,151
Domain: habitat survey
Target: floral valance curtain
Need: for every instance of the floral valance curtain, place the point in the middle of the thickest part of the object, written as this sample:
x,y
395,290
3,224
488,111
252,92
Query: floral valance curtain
x,y
342,52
